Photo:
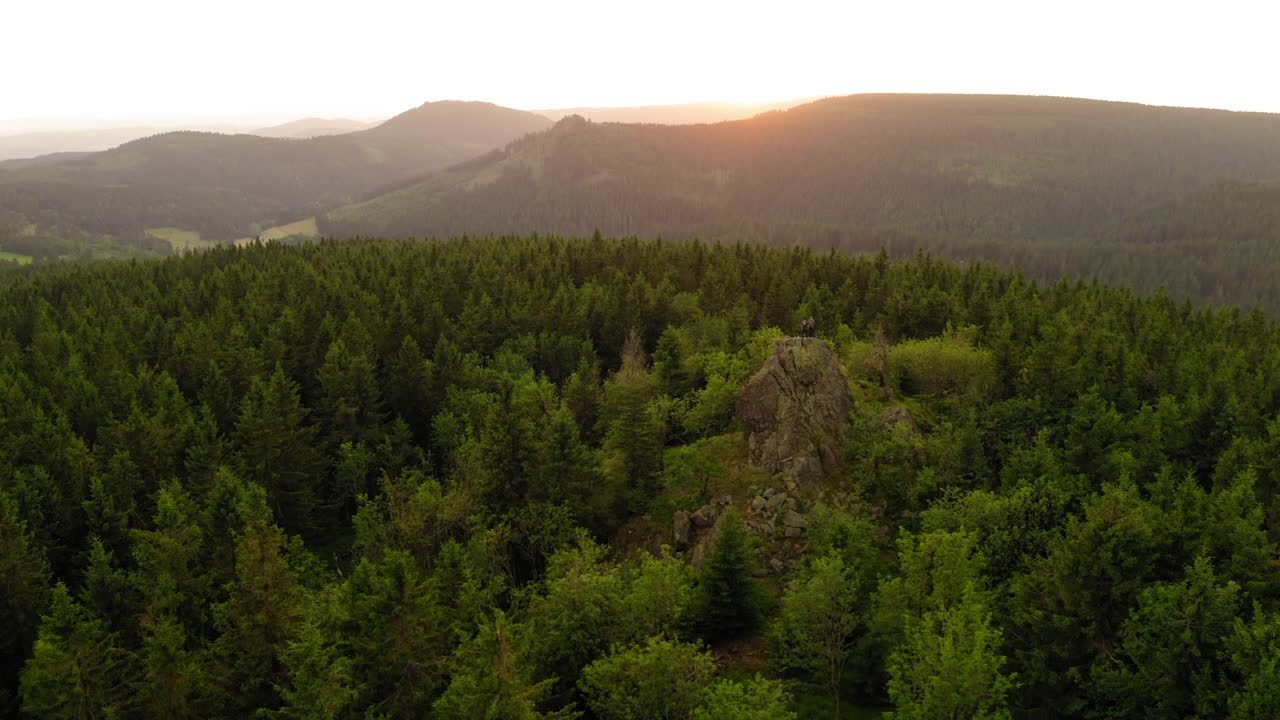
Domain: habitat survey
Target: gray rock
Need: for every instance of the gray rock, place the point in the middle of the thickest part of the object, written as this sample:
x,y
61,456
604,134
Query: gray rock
x,y
792,532
795,410
778,566
901,418
704,516
793,519
680,528
775,502
758,504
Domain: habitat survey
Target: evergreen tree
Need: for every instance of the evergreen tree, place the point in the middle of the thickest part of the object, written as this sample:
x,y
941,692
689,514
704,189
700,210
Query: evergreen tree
x,y
1165,660
490,680
24,586
256,621
171,676
635,426
278,449
729,605
77,670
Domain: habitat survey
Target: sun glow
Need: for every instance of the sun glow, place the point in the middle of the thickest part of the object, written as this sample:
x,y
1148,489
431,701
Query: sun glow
x,y
155,59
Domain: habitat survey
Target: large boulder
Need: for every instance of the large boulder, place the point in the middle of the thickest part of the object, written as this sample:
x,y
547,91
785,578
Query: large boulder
x,y
796,409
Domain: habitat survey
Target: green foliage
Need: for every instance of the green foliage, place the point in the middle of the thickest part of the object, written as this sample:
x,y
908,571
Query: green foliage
x,y
949,665
24,581
937,570
1254,654
278,449
171,677
728,601
943,365
129,200
76,669
590,606
1165,663
659,680
490,680
261,499
258,618
820,615
1133,194
636,423
755,699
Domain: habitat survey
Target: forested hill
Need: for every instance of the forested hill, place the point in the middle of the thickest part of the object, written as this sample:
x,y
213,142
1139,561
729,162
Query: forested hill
x,y
1050,185
227,186
369,478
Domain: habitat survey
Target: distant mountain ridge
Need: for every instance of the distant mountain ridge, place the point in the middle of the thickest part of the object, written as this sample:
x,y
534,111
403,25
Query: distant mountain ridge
x,y
313,127
227,186
1031,181
33,144
679,114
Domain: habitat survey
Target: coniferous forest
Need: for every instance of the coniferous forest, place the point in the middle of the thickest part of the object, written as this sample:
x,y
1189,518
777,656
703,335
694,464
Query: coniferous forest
x,y
515,478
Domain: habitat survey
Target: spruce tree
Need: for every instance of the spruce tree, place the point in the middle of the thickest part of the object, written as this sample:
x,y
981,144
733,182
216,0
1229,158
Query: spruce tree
x,y
24,586
278,449
729,605
77,670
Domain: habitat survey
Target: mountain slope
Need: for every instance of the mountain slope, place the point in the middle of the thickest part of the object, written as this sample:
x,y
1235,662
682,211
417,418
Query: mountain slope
x,y
681,114
1020,179
225,186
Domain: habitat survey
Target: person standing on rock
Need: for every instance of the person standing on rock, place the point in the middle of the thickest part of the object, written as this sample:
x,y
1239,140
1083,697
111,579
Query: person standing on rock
x,y
808,328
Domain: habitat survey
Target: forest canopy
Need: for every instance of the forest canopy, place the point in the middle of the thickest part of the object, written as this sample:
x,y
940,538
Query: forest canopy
x,y
393,479
1150,197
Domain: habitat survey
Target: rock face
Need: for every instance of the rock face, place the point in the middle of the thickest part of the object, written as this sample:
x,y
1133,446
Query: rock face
x,y
680,528
796,409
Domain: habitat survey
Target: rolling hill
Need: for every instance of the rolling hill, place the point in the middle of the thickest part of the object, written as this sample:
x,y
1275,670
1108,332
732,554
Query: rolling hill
x,y
679,114
1052,185
30,144
227,186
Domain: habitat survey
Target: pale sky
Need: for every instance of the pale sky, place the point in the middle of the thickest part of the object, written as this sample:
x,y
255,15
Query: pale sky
x,y
102,61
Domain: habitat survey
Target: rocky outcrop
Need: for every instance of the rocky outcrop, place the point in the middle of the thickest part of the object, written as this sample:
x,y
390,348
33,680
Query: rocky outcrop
x,y
680,529
695,530
796,409
898,417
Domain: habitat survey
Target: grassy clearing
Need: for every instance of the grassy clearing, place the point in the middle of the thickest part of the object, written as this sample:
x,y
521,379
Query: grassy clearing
x,y
10,257
305,227
302,227
710,468
180,239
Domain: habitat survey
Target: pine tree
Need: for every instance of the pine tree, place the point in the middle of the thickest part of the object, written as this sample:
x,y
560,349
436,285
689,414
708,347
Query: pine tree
x,y
350,405
635,426
278,449
255,622
728,590
491,680
24,586
171,674
76,671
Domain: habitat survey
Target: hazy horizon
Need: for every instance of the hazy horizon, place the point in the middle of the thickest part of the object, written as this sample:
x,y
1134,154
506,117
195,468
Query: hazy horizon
x,y
250,121
154,63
